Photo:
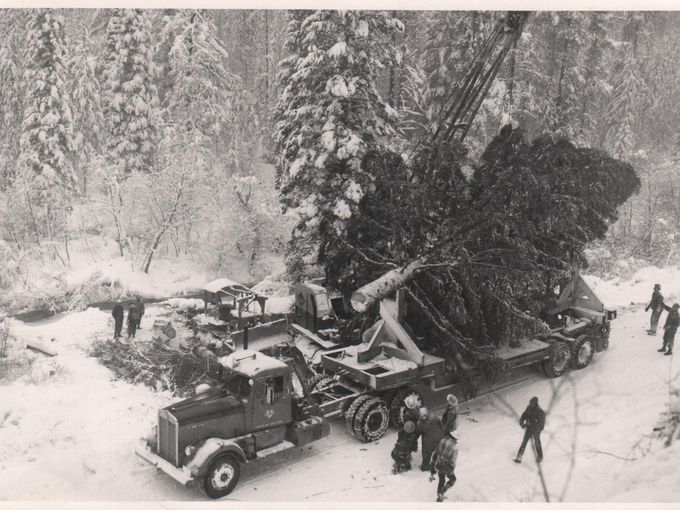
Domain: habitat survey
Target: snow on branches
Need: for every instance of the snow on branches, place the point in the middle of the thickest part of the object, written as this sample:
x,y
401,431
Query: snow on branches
x,y
47,129
130,95
330,114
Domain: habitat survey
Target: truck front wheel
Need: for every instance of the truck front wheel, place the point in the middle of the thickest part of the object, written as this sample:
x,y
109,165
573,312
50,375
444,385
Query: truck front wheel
x,y
583,353
222,476
558,362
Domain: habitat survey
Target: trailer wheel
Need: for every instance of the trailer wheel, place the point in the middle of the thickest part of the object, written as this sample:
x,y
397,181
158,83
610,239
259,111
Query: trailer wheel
x,y
221,477
352,410
558,362
397,407
583,353
371,420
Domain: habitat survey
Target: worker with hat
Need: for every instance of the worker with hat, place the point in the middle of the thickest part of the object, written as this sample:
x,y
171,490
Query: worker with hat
x,y
450,416
444,463
407,442
657,306
410,411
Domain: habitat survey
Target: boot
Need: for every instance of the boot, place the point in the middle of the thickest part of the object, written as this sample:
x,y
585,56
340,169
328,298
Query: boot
x,y
440,497
518,459
661,350
668,353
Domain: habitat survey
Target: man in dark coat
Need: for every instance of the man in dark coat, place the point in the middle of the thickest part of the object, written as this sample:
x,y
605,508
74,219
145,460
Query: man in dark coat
x,y
669,328
532,421
140,307
444,463
430,429
133,320
407,442
450,416
118,316
657,306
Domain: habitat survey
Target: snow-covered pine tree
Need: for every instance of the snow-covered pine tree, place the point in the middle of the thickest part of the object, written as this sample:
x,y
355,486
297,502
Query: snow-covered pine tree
x,y
11,113
47,129
625,106
201,94
595,76
329,116
130,98
88,117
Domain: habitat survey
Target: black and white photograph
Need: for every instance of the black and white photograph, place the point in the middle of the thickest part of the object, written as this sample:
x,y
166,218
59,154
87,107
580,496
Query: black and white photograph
x,y
325,256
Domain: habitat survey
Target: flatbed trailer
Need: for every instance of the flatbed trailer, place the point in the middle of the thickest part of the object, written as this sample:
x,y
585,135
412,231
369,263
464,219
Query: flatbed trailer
x,y
367,383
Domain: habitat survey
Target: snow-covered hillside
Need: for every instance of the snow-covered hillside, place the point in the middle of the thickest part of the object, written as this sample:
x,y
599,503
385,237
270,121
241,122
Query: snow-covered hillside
x,y
67,432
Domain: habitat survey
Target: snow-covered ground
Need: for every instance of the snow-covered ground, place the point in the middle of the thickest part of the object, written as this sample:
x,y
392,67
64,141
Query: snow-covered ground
x,y
67,432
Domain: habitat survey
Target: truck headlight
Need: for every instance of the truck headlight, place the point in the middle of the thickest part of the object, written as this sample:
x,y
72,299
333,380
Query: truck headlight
x,y
189,451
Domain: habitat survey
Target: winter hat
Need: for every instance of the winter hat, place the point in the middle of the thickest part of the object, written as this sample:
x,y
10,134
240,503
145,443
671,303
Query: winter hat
x,y
411,402
410,427
534,401
657,286
452,400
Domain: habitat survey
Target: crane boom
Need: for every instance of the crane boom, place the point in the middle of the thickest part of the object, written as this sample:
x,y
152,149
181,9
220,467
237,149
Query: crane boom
x,y
467,95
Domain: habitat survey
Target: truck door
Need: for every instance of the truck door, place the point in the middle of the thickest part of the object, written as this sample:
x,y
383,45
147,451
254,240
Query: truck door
x,y
273,400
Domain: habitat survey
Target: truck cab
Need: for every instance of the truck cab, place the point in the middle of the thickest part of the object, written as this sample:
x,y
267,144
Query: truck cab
x,y
207,437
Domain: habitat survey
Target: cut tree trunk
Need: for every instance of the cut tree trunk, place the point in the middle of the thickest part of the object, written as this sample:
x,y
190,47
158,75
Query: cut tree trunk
x,y
374,291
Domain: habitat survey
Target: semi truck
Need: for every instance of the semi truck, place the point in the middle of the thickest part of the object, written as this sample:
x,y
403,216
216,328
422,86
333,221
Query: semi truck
x,y
251,412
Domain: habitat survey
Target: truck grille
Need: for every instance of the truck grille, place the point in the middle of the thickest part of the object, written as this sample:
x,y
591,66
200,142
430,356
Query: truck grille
x,y
167,437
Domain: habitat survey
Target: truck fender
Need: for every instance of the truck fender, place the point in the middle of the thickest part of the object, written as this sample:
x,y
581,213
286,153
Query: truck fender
x,y
208,450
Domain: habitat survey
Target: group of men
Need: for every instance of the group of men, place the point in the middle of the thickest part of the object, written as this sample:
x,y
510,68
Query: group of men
x,y
672,320
134,318
439,445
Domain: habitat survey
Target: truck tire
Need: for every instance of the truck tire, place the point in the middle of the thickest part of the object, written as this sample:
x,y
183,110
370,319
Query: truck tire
x,y
221,477
583,352
352,410
396,405
558,362
371,420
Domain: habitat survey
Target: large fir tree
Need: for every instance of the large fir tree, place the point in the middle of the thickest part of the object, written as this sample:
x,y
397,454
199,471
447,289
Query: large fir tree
x,y
130,94
329,116
47,129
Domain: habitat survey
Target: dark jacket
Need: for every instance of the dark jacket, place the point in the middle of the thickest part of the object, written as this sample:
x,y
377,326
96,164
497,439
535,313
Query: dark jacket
x,y
431,431
533,418
134,313
445,456
672,319
657,301
118,312
407,442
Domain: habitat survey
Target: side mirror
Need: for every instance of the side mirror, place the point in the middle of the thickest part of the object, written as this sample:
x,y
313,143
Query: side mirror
x,y
270,395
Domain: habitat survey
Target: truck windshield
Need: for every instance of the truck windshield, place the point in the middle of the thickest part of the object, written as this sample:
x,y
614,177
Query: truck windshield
x,y
237,384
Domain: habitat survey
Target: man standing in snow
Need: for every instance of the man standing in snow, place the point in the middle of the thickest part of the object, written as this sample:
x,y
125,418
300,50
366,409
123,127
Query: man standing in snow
x,y
430,429
532,421
140,307
669,328
133,319
444,463
118,315
450,416
657,306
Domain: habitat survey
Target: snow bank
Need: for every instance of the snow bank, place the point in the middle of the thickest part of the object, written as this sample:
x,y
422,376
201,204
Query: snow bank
x,y
637,290
165,278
